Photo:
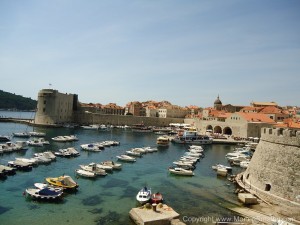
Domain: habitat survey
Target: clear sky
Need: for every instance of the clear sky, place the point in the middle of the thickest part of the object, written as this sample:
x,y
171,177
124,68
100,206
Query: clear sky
x,y
183,51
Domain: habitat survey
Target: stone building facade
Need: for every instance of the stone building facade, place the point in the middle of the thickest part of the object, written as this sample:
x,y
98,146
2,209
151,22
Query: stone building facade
x,y
274,170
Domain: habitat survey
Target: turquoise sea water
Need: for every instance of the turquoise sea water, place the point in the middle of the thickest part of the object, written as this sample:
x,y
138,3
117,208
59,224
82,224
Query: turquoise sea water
x,y
107,200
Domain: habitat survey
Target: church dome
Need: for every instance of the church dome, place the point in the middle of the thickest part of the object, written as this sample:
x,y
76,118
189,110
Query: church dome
x,y
218,101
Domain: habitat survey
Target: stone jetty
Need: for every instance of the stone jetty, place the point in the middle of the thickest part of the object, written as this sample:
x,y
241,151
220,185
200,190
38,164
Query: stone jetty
x,y
160,214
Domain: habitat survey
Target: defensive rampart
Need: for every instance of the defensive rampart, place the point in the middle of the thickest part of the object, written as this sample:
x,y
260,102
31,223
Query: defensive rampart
x,y
94,118
274,170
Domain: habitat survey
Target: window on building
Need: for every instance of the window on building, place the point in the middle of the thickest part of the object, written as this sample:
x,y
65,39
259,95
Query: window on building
x,y
268,187
44,102
44,109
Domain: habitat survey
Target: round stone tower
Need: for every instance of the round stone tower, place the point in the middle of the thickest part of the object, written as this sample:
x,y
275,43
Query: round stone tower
x,y
54,108
274,171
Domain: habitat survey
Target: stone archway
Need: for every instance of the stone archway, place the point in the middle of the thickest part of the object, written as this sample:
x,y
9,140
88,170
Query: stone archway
x,y
209,128
227,131
218,129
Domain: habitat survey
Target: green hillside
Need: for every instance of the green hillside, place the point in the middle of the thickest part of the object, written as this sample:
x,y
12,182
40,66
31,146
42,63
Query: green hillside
x,y
12,101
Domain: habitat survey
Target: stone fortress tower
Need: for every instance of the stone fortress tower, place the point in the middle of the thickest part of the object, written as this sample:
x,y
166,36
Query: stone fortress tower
x,y
54,107
274,171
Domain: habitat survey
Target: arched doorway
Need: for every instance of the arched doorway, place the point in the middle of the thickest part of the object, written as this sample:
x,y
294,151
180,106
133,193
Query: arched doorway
x,y
218,130
227,131
209,128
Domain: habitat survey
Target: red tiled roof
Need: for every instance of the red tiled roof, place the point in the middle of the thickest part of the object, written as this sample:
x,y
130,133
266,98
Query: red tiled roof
x,y
256,117
271,109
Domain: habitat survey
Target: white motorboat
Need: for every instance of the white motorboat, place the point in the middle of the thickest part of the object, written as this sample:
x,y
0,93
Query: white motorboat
x,y
59,139
238,158
184,165
35,143
197,147
143,195
48,155
37,134
181,171
31,161
217,166
141,150
244,164
65,138
114,165
91,127
20,165
21,134
92,167
73,151
85,173
63,153
90,147
134,153
149,149
41,159
126,158
193,154
22,144
222,172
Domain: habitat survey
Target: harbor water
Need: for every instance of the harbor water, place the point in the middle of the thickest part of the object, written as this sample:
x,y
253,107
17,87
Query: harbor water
x,y
201,199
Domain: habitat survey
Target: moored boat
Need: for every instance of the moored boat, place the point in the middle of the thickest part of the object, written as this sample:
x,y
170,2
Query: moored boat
x,y
162,141
114,165
44,194
126,158
192,137
156,198
85,173
95,168
21,134
143,195
181,171
64,181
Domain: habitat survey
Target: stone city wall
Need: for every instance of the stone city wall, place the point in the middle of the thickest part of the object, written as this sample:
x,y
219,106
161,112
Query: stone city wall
x,y
274,170
94,118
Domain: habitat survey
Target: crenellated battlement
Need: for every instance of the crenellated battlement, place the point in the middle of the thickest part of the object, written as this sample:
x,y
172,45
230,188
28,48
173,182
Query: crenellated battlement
x,y
281,136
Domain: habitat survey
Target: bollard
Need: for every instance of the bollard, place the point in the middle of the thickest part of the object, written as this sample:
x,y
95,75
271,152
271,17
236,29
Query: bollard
x,y
154,207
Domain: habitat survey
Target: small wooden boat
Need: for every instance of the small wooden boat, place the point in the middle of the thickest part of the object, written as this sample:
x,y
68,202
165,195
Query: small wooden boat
x,y
156,198
64,181
143,195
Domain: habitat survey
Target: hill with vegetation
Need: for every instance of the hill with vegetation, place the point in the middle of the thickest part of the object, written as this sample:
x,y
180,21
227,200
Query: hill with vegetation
x,y
16,102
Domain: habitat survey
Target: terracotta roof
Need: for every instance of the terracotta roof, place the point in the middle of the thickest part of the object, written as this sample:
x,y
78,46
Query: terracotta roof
x,y
289,123
256,117
251,108
271,109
